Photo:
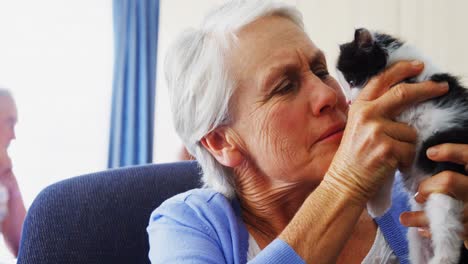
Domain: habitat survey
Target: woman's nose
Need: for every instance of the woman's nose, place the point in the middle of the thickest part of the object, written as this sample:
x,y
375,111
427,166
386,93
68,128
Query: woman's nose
x,y
323,98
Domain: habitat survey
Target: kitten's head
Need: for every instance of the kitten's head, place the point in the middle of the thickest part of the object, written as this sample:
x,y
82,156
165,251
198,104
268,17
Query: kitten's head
x,y
361,58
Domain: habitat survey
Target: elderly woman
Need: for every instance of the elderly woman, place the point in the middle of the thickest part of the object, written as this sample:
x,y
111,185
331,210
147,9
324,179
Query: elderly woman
x,y
287,165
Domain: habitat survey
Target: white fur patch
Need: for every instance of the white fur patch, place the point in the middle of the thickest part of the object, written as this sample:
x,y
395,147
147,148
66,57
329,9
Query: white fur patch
x,y
343,84
408,52
428,119
445,215
353,94
444,212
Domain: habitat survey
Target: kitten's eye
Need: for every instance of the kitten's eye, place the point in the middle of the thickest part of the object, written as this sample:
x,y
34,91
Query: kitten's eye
x,y
352,82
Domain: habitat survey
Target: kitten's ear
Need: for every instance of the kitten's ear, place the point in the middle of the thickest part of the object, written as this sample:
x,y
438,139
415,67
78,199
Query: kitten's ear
x,y
363,38
342,47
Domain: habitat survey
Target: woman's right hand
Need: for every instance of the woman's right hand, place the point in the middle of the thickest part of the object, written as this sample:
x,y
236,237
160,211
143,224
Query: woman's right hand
x,y
373,144
6,174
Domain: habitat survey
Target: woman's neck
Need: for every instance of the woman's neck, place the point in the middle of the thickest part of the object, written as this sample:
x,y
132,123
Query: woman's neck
x,y
268,207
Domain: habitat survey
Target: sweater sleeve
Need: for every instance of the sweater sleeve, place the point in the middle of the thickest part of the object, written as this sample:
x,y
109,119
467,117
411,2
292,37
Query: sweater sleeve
x,y
277,252
179,237
205,229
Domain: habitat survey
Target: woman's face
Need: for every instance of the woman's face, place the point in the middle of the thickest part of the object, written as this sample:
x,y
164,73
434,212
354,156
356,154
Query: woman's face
x,y
8,117
288,112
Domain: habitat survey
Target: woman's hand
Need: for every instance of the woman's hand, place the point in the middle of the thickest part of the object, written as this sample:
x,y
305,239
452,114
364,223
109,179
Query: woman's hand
x,y
373,144
447,182
12,224
372,147
6,176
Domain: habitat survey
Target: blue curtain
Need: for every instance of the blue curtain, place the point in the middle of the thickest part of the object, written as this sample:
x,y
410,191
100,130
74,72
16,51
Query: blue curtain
x,y
133,95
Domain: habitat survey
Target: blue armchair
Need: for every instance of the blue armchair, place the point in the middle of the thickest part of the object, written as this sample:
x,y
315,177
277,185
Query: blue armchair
x,y
101,217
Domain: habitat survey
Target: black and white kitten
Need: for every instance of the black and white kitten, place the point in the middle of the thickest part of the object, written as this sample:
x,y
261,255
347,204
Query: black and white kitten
x,y
440,120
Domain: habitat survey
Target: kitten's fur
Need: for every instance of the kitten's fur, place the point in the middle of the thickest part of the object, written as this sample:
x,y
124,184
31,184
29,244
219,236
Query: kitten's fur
x,y
440,120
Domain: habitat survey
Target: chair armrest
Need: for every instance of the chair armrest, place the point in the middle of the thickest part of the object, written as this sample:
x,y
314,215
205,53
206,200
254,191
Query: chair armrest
x,y
101,217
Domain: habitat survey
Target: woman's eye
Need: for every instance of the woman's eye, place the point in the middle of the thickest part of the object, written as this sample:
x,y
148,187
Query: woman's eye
x,y
286,87
322,74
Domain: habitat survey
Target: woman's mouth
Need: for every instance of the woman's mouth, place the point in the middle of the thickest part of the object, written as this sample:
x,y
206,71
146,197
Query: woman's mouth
x,y
333,133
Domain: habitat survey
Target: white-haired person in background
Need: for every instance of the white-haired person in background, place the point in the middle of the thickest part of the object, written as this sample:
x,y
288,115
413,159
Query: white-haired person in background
x,y
12,222
288,167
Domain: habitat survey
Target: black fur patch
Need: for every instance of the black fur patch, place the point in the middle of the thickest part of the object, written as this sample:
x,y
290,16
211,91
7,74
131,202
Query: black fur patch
x,y
363,58
457,95
359,62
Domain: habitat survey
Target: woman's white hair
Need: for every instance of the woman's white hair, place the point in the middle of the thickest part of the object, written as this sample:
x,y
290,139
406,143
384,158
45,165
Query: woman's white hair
x,y
200,85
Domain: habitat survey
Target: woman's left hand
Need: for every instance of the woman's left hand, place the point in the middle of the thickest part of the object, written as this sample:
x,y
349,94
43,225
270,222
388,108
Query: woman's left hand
x,y
448,182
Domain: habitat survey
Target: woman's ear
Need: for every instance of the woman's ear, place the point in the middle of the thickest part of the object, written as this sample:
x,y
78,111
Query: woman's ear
x,y
222,145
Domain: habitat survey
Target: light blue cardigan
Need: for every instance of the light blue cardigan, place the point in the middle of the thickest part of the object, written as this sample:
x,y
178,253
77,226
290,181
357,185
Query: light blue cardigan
x,y
203,226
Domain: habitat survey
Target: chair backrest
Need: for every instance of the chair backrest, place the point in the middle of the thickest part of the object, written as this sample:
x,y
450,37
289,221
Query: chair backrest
x,y
101,217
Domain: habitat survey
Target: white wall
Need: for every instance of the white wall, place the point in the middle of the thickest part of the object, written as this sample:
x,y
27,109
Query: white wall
x,y
56,56
437,27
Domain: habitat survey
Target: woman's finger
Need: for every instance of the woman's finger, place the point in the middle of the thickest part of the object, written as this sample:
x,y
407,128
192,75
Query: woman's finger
x,y
404,95
400,131
405,153
414,219
446,182
396,73
456,153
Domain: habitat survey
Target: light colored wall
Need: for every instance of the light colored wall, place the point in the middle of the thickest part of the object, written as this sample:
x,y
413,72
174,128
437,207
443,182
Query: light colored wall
x,y
437,27
56,57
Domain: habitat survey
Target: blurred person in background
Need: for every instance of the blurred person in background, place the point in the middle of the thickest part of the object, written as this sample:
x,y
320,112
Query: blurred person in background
x,y
12,223
8,118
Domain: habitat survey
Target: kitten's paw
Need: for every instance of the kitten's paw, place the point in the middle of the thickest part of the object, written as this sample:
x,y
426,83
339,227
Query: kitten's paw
x,y
376,210
382,201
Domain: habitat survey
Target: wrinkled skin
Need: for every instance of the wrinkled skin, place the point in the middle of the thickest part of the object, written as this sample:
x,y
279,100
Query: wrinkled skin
x,y
280,146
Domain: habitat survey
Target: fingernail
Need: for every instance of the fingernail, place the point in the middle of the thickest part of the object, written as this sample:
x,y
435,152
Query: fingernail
x,y
444,85
417,197
432,152
424,232
417,63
